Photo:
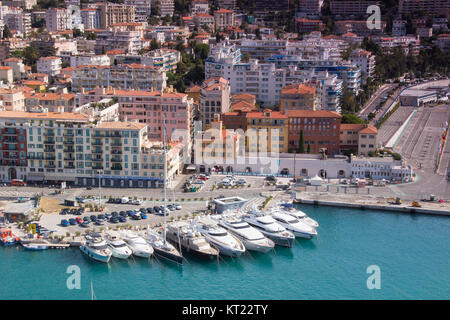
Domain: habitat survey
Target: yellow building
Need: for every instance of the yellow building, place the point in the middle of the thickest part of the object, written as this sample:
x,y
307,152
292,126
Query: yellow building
x,y
358,138
267,131
299,96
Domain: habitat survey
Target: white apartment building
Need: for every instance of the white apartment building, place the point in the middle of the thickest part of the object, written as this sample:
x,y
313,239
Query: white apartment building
x,y
164,7
129,41
214,99
143,9
311,7
89,59
399,28
55,147
365,60
133,76
12,99
17,65
380,168
16,19
91,18
24,4
163,59
57,19
49,65
223,19
265,80
199,6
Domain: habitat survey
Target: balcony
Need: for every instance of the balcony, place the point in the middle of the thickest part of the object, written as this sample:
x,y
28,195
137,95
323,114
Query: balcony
x,y
49,141
97,143
116,160
116,168
49,150
97,151
97,160
50,166
49,134
69,167
68,142
67,134
116,144
97,167
116,151
69,159
69,150
11,141
46,158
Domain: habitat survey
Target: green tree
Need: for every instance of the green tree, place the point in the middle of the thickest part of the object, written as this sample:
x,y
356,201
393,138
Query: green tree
x,y
308,149
6,32
154,44
351,118
301,147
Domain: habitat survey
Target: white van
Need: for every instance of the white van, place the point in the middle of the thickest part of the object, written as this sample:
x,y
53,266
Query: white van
x,y
125,200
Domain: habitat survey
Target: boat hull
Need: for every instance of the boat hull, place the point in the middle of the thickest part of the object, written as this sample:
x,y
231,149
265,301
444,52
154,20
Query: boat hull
x,y
35,247
141,253
279,240
95,256
226,251
119,255
168,256
199,254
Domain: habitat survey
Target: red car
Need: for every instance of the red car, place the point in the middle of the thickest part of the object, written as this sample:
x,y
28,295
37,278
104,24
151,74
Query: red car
x,y
79,220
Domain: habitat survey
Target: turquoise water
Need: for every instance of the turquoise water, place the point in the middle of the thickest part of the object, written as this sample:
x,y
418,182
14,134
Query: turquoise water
x,y
412,252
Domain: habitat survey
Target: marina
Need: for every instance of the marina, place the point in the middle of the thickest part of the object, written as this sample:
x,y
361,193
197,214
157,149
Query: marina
x,y
349,241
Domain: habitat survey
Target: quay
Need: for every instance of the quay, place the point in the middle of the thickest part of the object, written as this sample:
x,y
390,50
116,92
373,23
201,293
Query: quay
x,y
371,206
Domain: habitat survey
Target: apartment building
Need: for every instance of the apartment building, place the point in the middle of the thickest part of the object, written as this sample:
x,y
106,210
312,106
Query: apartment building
x,y
49,65
164,7
267,131
320,130
269,5
311,7
6,74
163,59
223,19
17,19
143,9
57,19
124,76
365,60
53,102
147,107
358,138
91,18
399,28
237,119
204,19
309,25
24,4
17,66
199,6
443,42
214,99
12,99
112,13
388,43
351,7
358,27
55,147
299,96
431,7
127,40
89,59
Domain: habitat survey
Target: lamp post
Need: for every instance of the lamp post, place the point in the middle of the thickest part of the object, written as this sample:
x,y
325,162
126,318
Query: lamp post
x,y
99,172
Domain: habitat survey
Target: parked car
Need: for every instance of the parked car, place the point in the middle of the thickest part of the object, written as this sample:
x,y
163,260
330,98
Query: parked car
x,y
137,202
125,200
241,181
136,216
84,224
123,213
99,222
108,216
178,207
72,221
122,219
78,220
114,220
130,213
64,223
150,210
143,215
114,214
270,178
101,217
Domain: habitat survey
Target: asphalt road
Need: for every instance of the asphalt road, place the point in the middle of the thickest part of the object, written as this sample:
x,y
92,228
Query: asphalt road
x,y
375,100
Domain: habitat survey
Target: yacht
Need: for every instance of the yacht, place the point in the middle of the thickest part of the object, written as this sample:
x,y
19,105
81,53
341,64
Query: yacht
x,y
137,244
118,247
95,247
7,237
298,228
299,214
162,248
183,234
270,228
226,243
252,239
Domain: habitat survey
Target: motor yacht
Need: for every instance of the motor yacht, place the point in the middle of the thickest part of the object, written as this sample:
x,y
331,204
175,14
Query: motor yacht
x,y
251,237
270,228
163,249
299,214
137,244
183,234
292,224
95,247
118,247
220,238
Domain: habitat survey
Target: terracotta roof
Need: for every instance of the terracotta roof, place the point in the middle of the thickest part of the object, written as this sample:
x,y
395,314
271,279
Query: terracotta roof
x,y
121,125
244,106
43,115
5,68
360,127
50,96
12,59
262,115
223,11
369,129
195,88
298,88
312,114
34,83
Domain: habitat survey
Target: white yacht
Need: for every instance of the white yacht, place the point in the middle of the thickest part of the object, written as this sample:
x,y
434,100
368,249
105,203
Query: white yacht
x,y
137,244
183,234
162,248
299,229
252,239
226,243
95,247
117,246
270,228
299,214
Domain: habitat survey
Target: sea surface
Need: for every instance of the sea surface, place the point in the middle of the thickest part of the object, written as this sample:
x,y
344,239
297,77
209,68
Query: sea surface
x,y
412,253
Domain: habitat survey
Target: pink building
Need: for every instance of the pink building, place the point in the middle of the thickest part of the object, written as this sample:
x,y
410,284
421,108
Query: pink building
x,y
148,107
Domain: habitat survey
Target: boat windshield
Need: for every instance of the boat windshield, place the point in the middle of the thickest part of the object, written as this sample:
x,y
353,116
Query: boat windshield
x,y
241,226
119,245
293,221
100,247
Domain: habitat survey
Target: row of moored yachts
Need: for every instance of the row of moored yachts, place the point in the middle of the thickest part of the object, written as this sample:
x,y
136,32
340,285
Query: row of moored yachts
x,y
230,234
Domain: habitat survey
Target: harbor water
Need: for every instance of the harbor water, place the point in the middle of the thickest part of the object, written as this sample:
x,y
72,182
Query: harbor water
x,y
411,252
